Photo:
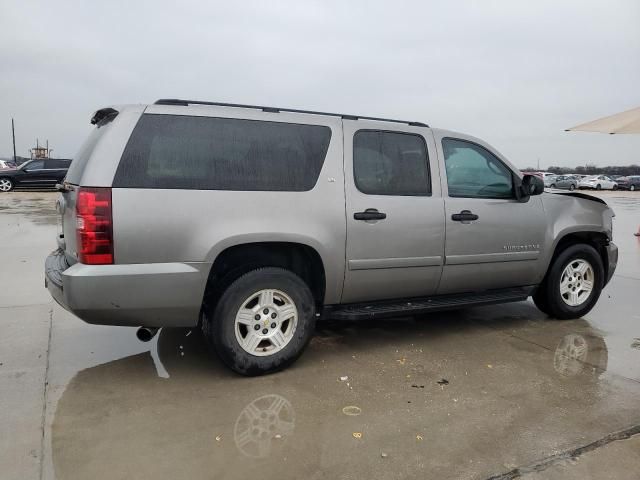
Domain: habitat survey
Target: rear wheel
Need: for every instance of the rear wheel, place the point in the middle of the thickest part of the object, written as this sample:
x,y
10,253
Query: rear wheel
x,y
572,187
632,187
6,185
262,322
615,187
598,187
573,284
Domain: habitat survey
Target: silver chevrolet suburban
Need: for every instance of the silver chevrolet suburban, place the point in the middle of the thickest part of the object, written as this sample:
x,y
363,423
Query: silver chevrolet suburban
x,y
252,222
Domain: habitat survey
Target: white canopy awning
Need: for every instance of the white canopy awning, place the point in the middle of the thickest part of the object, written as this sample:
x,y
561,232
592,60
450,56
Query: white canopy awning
x,y
624,122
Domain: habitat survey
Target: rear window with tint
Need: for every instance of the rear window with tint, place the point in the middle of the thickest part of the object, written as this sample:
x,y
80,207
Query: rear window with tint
x,y
390,163
58,163
204,153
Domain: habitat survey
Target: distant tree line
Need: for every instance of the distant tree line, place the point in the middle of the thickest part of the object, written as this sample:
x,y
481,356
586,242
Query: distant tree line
x,y
590,169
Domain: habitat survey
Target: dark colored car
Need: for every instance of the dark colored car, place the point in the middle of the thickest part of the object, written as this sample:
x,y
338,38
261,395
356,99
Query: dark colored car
x,y
631,182
40,173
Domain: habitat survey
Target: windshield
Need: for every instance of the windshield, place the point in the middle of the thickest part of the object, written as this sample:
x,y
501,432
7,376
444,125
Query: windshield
x,y
24,164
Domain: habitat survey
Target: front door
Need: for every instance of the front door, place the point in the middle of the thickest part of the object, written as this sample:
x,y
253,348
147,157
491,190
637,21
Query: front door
x,y
493,240
394,209
34,174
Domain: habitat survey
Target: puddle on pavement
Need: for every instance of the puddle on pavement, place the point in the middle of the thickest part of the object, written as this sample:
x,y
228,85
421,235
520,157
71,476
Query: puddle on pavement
x,y
517,384
36,207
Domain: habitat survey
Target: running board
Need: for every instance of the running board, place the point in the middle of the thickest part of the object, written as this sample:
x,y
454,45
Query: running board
x,y
415,306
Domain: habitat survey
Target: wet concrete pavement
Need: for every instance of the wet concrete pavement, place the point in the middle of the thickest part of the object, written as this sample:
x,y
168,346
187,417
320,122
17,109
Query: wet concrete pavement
x,y
475,393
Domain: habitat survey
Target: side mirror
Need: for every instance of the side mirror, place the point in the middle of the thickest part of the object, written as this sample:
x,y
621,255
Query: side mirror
x,y
531,185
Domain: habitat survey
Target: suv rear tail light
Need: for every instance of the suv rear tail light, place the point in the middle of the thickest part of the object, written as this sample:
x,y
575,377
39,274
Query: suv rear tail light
x,y
94,226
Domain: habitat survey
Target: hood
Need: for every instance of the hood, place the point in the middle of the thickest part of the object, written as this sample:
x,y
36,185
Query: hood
x,y
580,195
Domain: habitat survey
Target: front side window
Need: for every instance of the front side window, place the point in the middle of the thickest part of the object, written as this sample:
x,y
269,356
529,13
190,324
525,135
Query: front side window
x,y
35,165
390,163
204,153
473,171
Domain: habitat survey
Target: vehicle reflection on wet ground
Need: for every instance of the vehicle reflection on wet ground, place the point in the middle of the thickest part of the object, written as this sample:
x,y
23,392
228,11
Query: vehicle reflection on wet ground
x,y
518,387
461,394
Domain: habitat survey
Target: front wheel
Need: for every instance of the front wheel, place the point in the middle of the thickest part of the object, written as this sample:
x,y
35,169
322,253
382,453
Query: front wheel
x,y
598,187
572,187
262,322
573,283
632,188
615,187
6,185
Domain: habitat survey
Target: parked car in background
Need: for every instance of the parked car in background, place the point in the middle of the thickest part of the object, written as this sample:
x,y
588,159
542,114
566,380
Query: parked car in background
x,y
631,182
548,180
4,165
564,181
220,235
598,182
40,173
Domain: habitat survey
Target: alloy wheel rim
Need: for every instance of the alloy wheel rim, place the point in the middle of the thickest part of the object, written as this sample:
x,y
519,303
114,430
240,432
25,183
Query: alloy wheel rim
x,y
5,185
576,282
266,322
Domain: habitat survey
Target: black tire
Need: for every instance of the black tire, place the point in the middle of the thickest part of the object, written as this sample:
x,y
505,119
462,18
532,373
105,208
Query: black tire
x,y
540,300
548,298
553,185
615,187
598,187
219,321
572,187
10,183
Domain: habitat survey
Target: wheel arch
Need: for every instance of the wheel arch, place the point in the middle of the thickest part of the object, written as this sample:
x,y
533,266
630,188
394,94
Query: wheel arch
x,y
11,179
235,260
596,239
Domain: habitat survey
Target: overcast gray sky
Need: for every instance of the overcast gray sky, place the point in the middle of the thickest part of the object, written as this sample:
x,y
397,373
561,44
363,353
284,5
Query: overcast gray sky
x,y
513,73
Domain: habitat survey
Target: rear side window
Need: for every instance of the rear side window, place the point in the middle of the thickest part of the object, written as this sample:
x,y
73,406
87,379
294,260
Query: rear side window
x,y
390,163
58,163
204,153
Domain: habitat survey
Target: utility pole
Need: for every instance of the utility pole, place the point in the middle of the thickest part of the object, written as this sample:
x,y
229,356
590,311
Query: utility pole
x,y
13,133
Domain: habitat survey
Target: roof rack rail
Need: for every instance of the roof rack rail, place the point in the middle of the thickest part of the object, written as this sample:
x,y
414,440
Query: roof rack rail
x,y
175,101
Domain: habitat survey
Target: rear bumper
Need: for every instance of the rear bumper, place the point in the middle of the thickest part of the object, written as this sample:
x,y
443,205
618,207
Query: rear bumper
x,y
151,295
612,260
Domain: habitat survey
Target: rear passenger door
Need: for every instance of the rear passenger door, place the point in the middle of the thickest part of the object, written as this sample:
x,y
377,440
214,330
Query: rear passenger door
x,y
395,231
56,170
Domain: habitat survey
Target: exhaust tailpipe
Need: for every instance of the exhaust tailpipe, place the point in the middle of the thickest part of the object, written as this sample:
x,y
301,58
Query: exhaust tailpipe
x,y
145,334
